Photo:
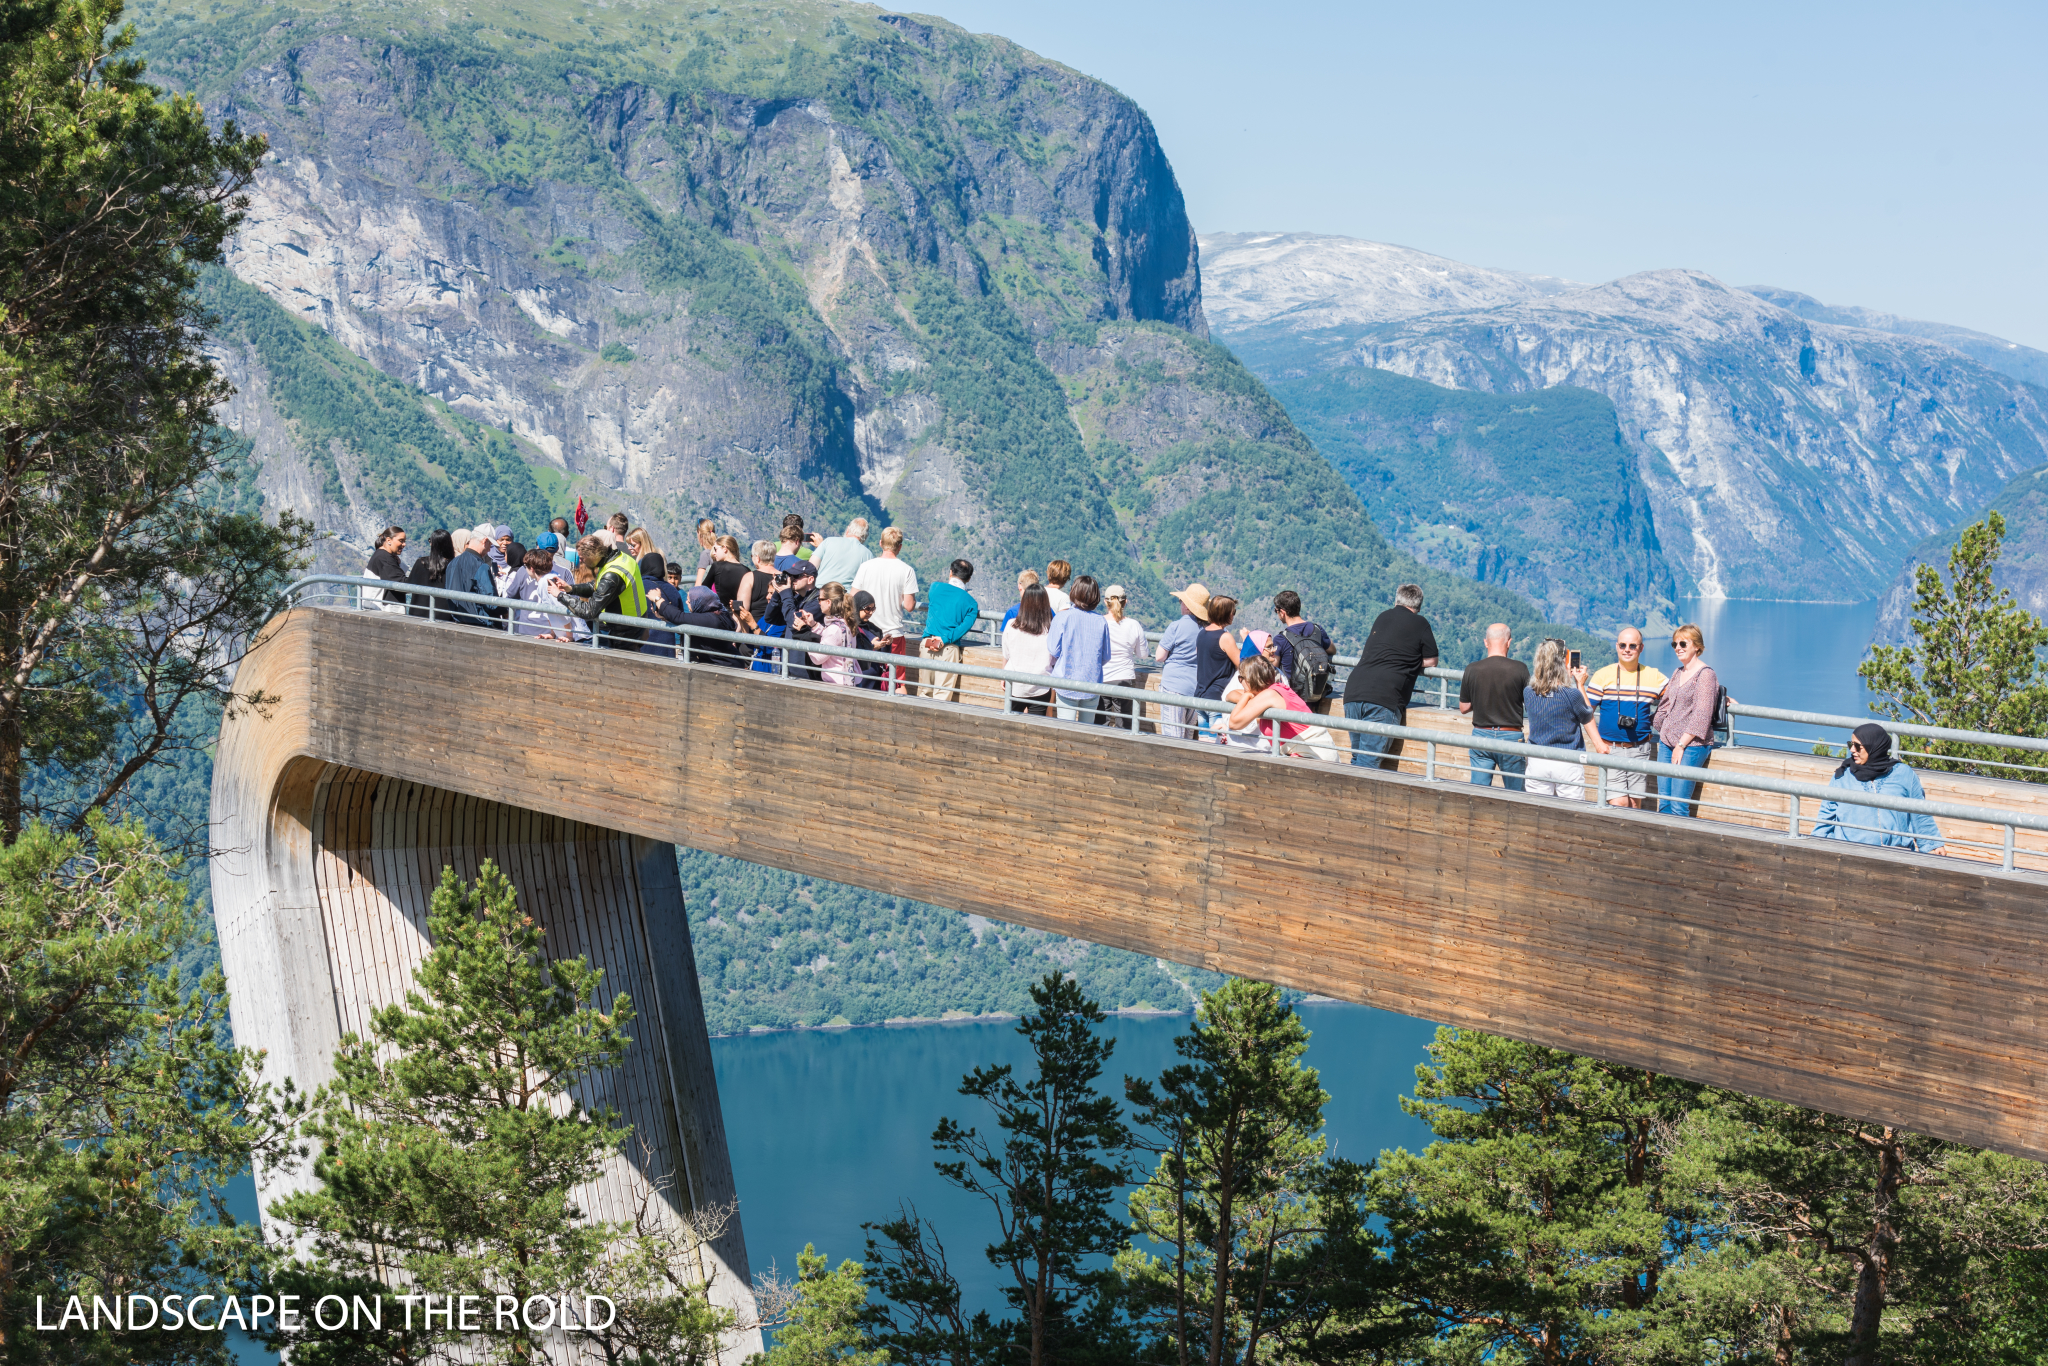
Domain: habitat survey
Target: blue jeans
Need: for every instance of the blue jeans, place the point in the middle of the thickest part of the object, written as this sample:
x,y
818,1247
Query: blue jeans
x,y
1374,751
1677,794
1075,706
1485,761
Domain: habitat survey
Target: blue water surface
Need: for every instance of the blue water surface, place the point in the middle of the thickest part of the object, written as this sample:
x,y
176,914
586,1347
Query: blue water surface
x,y
832,1128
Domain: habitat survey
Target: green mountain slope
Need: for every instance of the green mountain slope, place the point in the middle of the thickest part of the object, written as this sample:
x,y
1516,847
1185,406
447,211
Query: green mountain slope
x,y
428,465
1536,492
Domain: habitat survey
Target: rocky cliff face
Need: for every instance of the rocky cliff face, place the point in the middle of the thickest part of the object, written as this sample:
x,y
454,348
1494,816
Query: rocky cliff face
x,y
1993,353
1784,458
714,294
744,260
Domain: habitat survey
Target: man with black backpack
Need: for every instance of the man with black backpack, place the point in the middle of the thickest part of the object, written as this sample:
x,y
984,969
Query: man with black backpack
x,y
1308,657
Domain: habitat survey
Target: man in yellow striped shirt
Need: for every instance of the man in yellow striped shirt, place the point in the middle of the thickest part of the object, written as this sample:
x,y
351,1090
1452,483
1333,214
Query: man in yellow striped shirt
x,y
1623,696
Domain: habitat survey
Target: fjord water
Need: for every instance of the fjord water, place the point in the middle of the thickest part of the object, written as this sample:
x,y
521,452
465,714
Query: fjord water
x,y
830,1128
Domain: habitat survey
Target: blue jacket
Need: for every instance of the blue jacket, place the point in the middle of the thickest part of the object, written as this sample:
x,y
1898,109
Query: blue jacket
x,y
1873,825
949,613
1079,645
470,572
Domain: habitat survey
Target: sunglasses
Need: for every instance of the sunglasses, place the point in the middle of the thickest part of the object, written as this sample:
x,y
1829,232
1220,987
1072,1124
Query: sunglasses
x,y
1623,645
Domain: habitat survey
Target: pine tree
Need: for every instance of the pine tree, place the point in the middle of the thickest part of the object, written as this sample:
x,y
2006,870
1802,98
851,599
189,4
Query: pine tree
x,y
822,1323
1545,1223
1887,1245
1975,664
121,1103
127,588
452,1143
1051,1178
1258,1226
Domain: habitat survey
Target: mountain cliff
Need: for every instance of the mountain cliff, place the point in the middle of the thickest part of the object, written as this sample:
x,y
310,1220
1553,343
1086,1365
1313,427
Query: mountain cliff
x,y
1536,492
1993,353
1783,457
740,260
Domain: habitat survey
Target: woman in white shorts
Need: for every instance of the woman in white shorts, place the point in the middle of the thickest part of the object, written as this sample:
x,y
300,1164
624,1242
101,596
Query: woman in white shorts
x,y
1558,717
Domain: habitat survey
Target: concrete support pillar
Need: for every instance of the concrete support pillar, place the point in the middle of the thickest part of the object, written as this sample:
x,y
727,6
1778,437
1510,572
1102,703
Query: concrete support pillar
x,y
321,889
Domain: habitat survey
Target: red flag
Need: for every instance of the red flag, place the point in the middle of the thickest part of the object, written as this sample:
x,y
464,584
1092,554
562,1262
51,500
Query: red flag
x,y
582,517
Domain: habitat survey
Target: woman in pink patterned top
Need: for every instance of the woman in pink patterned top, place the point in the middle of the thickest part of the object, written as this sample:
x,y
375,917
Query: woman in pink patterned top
x,y
1684,721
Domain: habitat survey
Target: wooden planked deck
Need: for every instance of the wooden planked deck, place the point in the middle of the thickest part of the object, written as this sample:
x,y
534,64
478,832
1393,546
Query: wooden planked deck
x,y
1881,984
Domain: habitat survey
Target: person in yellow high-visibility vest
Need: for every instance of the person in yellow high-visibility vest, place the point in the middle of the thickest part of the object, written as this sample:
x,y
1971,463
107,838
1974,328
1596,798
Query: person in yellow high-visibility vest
x,y
615,586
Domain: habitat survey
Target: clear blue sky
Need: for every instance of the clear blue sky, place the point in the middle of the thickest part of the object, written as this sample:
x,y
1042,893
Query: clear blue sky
x,y
1871,154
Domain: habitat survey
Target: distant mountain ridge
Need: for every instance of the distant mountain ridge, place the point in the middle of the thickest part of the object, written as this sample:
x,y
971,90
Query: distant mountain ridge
x,y
1784,457
1993,353
1306,281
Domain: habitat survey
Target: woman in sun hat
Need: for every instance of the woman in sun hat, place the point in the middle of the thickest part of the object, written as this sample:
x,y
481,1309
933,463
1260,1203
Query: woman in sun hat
x,y
1177,653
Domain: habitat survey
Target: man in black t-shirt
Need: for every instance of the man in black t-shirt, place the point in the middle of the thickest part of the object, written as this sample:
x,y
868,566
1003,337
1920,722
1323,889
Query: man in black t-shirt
x,y
1492,696
1399,648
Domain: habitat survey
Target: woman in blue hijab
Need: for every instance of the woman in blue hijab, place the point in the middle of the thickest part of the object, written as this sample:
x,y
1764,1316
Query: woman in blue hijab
x,y
1870,767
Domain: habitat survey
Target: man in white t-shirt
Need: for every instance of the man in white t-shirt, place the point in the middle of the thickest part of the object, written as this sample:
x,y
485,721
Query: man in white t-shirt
x,y
894,587
1056,575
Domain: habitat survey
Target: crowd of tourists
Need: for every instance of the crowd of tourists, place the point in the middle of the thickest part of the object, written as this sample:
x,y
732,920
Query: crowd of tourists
x,y
804,588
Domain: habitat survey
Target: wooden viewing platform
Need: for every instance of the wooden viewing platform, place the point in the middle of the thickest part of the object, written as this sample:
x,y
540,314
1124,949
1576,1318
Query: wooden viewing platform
x,y
1882,984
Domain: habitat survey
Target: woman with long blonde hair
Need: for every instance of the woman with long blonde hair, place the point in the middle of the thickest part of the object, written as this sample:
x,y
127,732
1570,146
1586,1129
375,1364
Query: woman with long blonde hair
x,y
1559,716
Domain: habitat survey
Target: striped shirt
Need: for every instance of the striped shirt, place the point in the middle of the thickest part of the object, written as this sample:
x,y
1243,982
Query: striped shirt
x,y
1620,697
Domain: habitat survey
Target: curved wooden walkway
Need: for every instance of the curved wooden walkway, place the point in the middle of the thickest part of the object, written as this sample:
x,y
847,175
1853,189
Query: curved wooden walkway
x,y
1885,985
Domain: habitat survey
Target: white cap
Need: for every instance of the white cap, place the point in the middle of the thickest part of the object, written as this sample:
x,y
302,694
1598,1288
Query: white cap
x,y
486,533
1115,590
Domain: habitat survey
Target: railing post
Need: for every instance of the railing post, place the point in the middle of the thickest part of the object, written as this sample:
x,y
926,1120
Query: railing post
x,y
1429,763
1794,814
1443,694
1600,785
2010,832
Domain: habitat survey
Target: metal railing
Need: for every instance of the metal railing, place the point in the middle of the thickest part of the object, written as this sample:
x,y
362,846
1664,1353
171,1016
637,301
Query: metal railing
x,y
1202,720
1437,689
